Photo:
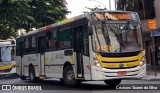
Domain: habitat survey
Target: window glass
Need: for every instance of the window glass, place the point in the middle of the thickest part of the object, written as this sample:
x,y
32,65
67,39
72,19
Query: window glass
x,y
33,42
51,39
86,41
64,37
26,45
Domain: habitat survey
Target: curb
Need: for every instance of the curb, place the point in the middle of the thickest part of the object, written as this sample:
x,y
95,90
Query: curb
x,y
151,78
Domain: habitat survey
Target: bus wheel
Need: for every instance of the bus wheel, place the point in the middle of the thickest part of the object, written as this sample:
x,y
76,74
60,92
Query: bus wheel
x,y
113,82
68,77
32,75
23,77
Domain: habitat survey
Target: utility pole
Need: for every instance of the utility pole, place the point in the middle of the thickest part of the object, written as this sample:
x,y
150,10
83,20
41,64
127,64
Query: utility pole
x,y
109,4
152,26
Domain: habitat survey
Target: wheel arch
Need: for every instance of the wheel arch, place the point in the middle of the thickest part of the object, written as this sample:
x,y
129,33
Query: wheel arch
x,y
67,63
30,65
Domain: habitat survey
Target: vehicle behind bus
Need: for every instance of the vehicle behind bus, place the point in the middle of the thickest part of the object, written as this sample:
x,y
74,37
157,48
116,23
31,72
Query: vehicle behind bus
x,y
99,45
7,57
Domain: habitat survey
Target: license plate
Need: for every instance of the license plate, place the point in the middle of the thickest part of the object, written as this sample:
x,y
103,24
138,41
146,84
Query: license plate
x,y
121,73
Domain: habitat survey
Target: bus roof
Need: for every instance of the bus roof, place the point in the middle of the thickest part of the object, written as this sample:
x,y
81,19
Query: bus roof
x,y
53,25
120,11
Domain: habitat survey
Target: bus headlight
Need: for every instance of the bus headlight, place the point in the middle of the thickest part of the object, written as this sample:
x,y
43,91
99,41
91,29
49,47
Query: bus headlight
x,y
96,63
143,61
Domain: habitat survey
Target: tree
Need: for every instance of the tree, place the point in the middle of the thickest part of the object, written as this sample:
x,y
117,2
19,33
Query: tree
x,y
47,11
15,14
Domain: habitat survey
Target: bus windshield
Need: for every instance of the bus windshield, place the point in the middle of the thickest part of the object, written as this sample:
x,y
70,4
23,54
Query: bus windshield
x,y
6,53
117,37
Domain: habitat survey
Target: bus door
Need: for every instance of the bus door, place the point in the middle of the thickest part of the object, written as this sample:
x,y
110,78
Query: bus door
x,y
81,60
21,57
41,50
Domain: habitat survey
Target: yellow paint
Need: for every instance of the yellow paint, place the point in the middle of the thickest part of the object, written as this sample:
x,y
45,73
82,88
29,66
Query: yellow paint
x,y
6,67
110,62
72,59
65,21
46,60
116,65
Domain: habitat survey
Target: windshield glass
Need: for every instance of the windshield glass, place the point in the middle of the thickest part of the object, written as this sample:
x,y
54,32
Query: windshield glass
x,y
117,37
7,53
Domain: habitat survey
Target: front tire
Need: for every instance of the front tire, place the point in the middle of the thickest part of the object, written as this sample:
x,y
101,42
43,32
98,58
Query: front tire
x,y
113,82
69,77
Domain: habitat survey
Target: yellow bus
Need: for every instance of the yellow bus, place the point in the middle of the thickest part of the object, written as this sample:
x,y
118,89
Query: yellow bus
x,y
100,45
7,57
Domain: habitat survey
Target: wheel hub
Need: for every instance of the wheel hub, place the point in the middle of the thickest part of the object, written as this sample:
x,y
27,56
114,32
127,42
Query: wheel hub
x,y
70,76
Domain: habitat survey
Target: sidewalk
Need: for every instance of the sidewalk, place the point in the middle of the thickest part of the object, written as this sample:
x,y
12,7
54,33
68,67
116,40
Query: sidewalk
x,y
150,74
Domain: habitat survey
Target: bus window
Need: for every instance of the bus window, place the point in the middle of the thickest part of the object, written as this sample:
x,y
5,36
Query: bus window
x,y
41,44
64,37
33,46
13,53
85,40
51,38
26,45
78,38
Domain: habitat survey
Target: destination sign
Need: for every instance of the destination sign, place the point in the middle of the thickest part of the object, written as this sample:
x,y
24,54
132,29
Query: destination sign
x,y
113,16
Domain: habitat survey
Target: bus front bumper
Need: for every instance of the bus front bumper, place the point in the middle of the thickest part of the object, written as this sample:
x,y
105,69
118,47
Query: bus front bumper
x,y
12,71
106,74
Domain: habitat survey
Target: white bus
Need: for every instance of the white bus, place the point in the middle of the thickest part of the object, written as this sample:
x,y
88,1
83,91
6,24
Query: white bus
x,y
7,57
100,45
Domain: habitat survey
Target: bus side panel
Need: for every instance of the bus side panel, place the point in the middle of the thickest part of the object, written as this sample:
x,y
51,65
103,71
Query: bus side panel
x,y
30,59
34,59
87,70
50,64
18,65
54,62
91,56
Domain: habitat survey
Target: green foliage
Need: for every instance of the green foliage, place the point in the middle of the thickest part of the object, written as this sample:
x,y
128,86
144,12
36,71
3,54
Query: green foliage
x,y
6,32
26,14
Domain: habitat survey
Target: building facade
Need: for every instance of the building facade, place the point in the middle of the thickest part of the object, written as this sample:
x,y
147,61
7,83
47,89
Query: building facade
x,y
147,9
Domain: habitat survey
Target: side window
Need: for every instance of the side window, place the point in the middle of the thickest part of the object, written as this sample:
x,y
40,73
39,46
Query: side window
x,y
26,45
33,43
85,40
64,37
51,39
78,38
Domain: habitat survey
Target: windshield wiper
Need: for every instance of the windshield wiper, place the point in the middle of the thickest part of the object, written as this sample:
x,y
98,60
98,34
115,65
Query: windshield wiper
x,y
106,35
126,31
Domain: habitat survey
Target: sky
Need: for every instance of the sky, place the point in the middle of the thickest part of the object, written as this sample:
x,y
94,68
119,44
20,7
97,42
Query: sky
x,y
77,7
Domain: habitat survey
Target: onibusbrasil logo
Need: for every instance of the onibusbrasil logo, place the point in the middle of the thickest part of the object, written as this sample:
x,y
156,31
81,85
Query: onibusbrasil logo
x,y
21,87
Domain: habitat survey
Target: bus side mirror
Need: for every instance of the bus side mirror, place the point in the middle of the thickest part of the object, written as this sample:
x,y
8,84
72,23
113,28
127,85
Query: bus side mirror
x,y
90,30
